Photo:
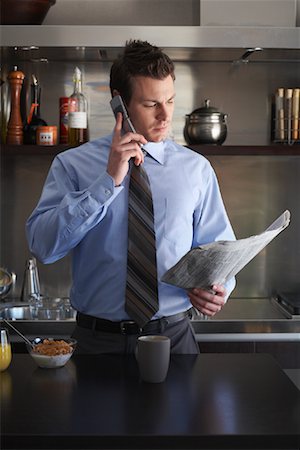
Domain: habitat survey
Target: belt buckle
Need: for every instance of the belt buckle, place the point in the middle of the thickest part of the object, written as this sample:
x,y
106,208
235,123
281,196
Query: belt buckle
x,y
123,325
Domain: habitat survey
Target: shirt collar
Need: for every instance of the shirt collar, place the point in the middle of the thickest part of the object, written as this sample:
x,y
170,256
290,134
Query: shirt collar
x,y
156,150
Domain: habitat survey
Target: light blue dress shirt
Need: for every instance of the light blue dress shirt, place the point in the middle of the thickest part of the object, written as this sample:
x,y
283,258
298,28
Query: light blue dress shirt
x,y
80,210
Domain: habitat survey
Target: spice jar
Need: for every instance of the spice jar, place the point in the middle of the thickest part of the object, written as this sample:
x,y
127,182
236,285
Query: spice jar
x,y
46,135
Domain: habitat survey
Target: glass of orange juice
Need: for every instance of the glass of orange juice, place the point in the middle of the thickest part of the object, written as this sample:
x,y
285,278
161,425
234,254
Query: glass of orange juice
x,y
5,350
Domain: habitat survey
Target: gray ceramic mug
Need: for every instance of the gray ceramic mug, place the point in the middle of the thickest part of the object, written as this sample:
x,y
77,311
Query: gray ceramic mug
x,y
153,357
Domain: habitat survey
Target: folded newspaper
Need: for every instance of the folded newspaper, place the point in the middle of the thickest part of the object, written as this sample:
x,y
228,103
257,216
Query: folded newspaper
x,y
219,261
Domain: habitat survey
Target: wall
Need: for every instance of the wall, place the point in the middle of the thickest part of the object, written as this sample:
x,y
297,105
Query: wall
x,y
160,12
256,189
124,12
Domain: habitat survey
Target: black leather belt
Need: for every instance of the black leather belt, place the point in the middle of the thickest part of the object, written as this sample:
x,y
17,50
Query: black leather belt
x,y
129,326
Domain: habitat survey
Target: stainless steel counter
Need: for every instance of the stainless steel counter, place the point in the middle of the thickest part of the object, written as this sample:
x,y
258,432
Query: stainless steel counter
x,y
245,319
240,320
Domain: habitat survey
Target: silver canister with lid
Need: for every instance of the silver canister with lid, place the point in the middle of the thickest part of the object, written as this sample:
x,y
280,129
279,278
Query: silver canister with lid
x,y
205,125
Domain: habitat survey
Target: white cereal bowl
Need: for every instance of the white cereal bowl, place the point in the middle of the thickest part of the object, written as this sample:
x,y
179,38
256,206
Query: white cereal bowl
x,y
49,356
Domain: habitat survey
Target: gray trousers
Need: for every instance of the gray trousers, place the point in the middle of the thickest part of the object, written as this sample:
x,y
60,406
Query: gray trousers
x,y
181,334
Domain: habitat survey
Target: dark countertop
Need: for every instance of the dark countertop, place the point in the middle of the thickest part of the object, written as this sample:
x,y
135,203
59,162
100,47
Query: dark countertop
x,y
211,401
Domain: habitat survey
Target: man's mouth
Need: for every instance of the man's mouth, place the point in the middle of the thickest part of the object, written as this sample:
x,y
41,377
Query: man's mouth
x,y
161,128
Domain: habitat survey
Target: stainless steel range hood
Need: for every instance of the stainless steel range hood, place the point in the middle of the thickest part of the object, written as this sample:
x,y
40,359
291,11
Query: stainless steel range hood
x,y
179,37
103,54
182,43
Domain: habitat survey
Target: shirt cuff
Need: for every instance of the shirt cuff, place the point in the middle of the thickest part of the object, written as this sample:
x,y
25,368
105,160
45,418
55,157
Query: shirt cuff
x,y
229,286
104,189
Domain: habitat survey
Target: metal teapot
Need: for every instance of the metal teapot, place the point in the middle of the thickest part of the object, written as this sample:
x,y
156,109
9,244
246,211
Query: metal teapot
x,y
205,125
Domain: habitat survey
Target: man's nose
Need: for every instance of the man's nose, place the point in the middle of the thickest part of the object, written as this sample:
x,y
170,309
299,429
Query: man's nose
x,y
162,113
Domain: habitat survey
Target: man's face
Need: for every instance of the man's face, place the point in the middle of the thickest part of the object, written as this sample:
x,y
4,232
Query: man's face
x,y
151,107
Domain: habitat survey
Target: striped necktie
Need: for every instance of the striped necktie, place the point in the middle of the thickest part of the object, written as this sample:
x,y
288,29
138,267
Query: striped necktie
x,y
141,289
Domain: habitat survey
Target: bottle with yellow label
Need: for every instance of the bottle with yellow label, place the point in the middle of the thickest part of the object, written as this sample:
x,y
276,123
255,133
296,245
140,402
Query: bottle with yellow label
x,y
5,350
77,113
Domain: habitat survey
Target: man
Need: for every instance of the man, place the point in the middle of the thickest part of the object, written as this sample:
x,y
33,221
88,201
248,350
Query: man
x,y
84,209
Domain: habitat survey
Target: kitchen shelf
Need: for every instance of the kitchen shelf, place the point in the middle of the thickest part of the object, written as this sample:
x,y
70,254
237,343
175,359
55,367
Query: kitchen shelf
x,y
20,150
238,150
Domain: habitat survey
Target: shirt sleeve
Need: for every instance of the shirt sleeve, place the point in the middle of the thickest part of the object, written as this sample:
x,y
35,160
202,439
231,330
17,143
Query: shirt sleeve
x,y
64,214
211,222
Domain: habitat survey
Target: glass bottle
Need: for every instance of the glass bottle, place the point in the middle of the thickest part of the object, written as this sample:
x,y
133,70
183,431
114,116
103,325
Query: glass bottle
x,y
5,350
77,116
34,119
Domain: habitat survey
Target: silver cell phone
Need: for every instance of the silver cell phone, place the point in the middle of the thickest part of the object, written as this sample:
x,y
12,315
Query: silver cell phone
x,y
118,105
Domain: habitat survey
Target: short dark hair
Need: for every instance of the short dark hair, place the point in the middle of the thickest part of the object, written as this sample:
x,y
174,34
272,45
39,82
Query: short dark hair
x,y
139,59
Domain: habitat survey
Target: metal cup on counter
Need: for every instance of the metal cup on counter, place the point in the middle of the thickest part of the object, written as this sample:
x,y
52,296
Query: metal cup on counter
x,y
50,309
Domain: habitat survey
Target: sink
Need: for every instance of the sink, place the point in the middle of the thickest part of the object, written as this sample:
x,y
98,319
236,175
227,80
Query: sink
x,y
16,313
58,310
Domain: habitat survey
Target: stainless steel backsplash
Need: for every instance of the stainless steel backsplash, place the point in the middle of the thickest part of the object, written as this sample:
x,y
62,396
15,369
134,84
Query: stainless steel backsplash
x,y
256,189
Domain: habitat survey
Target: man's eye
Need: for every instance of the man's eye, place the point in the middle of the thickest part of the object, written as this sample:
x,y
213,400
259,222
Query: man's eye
x,y
150,105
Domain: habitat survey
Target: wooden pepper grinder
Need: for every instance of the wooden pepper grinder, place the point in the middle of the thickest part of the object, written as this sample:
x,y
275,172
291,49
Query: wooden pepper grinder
x,y
15,125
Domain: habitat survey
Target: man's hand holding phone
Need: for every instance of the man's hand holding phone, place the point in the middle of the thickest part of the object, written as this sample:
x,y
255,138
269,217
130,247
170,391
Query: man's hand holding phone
x,y
123,148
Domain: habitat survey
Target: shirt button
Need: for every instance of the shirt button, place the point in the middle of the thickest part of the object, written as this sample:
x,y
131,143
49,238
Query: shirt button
x,y
107,191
